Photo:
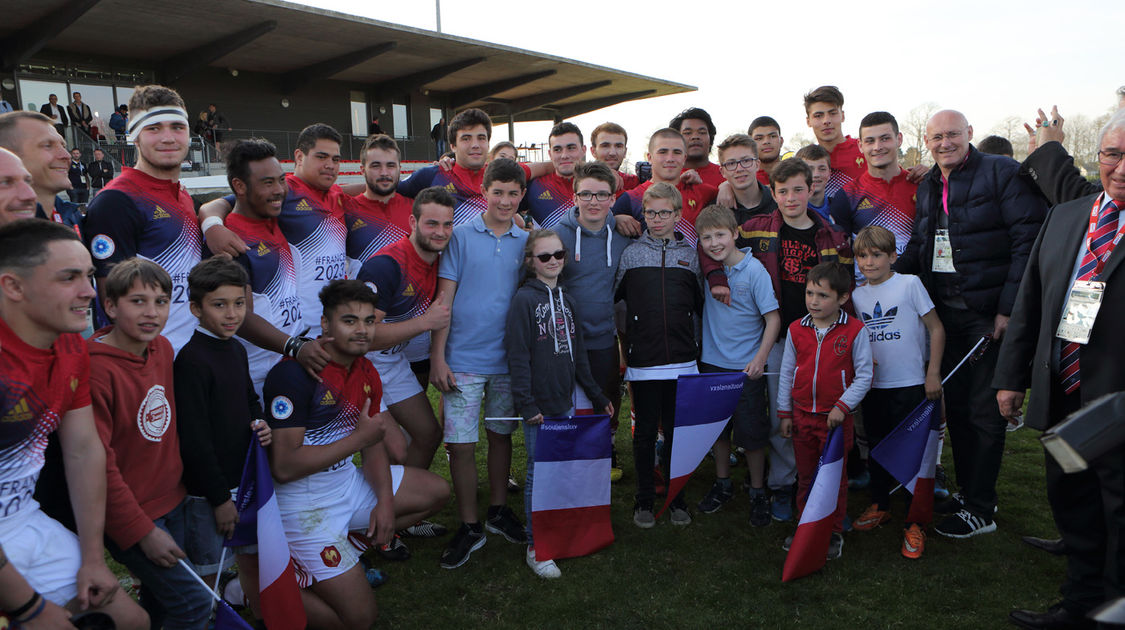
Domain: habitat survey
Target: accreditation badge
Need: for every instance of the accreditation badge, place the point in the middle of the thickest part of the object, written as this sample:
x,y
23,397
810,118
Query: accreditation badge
x,y
943,252
1081,310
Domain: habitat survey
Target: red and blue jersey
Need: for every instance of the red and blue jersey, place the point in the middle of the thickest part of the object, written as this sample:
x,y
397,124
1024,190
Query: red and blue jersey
x,y
37,388
272,266
869,200
372,225
313,222
847,165
139,215
463,184
327,410
404,283
629,181
696,197
711,174
549,198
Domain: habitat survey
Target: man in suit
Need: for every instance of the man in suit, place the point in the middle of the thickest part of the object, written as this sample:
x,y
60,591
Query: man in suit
x,y
57,113
80,115
1075,248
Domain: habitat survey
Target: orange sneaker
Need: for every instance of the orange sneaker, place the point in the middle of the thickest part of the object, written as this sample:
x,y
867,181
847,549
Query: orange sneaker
x,y
913,542
871,518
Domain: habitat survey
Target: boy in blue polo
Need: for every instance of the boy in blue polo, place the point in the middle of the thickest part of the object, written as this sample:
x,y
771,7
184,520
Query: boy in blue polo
x,y
738,338
479,273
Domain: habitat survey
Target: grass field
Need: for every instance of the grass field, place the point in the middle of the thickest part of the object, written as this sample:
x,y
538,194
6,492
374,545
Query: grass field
x,y
719,573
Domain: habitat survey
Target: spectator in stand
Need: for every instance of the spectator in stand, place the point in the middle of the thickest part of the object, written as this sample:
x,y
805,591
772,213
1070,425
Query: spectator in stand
x,y
119,120
100,172
5,106
79,191
438,134
80,114
218,123
374,129
57,114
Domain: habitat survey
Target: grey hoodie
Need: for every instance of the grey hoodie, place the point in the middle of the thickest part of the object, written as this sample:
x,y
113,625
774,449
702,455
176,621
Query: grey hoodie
x,y
588,276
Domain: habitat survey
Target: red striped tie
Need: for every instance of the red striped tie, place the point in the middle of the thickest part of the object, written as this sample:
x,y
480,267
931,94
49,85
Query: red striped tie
x,y
1100,246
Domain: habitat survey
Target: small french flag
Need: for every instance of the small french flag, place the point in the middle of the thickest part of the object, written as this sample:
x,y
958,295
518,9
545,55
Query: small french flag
x,y
808,551
570,514
910,454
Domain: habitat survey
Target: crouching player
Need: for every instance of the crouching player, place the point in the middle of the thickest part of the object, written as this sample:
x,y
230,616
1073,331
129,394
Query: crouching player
x,y
317,427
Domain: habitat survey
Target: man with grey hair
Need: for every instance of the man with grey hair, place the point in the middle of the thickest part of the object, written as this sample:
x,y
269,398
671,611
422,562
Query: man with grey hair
x,y
1066,368
974,226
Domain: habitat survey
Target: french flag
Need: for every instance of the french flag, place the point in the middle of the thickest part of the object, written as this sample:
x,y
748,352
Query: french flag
x,y
704,404
570,498
910,454
259,521
808,551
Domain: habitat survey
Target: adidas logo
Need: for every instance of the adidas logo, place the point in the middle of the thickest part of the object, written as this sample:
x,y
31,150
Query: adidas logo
x,y
546,196
864,205
328,400
303,205
160,213
20,413
262,249
450,188
358,224
409,290
877,318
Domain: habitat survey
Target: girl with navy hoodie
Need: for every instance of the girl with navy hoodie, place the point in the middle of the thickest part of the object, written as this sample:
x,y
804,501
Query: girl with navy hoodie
x,y
546,357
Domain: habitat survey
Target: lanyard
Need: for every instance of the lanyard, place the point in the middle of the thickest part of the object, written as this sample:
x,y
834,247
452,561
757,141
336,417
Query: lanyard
x,y
1093,225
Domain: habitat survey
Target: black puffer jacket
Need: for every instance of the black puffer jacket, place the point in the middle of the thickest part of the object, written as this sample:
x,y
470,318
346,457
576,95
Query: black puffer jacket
x,y
994,217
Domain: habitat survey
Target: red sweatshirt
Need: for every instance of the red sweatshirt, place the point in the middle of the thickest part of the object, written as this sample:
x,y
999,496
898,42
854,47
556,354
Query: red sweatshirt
x,y
136,417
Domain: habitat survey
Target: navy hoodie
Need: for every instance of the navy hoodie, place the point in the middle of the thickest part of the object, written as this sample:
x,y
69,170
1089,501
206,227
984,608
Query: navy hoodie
x,y
588,276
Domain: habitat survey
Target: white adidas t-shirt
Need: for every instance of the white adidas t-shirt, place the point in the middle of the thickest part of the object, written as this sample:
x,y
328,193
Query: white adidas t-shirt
x,y
892,313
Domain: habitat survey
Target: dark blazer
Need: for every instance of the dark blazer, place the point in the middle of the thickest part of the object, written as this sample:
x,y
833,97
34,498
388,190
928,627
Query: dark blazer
x,y
1025,355
1053,171
46,111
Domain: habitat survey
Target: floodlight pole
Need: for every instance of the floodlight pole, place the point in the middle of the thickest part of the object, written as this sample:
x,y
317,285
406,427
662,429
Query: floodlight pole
x,y
437,8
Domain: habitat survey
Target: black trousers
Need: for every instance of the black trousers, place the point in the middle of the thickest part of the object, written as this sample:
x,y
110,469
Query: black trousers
x,y
883,410
654,404
976,428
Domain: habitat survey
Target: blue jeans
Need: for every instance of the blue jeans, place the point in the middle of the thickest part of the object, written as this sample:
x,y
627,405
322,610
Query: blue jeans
x,y
178,600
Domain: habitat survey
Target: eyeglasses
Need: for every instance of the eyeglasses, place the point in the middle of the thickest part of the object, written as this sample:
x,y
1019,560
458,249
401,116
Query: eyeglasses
x,y
1109,158
586,195
559,255
745,162
949,135
663,214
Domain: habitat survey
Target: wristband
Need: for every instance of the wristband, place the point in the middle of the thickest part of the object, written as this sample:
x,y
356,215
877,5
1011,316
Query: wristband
x,y
210,222
38,610
35,597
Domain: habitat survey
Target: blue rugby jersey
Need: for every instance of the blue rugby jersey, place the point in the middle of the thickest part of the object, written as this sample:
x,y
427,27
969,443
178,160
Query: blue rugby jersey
x,y
549,198
373,225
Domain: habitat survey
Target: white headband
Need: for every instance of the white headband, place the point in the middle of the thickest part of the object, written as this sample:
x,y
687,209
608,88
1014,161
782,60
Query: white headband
x,y
165,113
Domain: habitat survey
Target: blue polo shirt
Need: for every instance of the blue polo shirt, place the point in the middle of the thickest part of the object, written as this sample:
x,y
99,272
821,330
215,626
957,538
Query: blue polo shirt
x,y
732,334
486,268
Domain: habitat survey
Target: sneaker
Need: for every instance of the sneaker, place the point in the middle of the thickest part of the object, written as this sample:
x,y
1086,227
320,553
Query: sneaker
x,y
835,546
941,483
871,518
396,550
507,524
643,517
861,481
759,507
424,529
513,485
964,524
781,505
718,495
375,577
545,569
955,503
679,514
787,543
913,542
465,542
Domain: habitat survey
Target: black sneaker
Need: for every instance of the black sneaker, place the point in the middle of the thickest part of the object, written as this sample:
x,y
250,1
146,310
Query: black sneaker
x,y
955,503
718,495
465,542
396,550
964,524
424,529
507,524
759,508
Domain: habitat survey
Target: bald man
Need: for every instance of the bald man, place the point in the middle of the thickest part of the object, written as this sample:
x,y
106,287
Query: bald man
x,y
17,197
34,139
975,223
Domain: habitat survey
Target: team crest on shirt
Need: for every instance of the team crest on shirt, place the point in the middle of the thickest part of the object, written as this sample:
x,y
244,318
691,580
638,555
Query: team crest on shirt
x,y
160,213
691,202
281,408
102,247
545,195
20,413
327,400
262,248
73,383
330,556
155,415
763,245
864,205
367,388
840,346
303,205
859,161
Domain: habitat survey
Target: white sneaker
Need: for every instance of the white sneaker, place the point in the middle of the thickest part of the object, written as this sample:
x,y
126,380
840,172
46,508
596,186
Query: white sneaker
x,y
546,569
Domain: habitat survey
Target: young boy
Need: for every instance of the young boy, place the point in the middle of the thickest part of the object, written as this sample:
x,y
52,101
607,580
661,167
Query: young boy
x,y
131,385
658,278
216,406
818,160
789,242
738,338
478,274
825,373
897,312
